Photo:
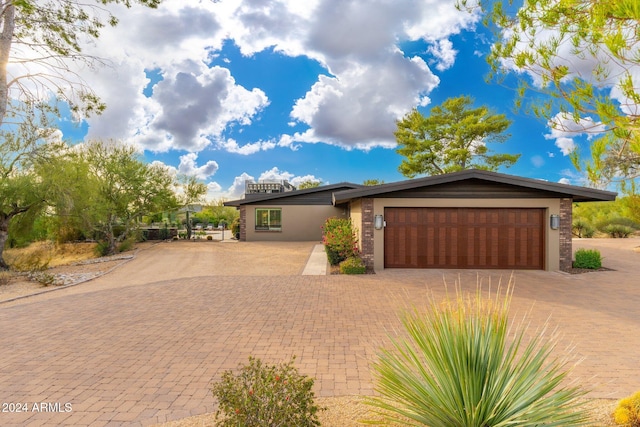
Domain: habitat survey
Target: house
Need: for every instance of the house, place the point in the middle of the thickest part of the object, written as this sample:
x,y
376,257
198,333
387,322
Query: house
x,y
289,216
470,219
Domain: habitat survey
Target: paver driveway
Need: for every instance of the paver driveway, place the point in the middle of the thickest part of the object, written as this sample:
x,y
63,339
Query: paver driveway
x,y
131,348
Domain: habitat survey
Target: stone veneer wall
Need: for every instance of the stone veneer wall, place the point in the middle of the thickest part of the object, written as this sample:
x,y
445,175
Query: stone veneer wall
x,y
566,249
243,223
366,245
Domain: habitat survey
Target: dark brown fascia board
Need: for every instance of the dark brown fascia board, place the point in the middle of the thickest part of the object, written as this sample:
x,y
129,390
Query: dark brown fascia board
x,y
583,194
276,196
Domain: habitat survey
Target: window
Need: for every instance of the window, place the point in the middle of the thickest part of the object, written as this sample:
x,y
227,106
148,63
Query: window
x,y
268,219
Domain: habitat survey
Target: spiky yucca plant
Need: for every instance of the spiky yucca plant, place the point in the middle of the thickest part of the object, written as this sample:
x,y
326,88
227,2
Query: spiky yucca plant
x,y
462,365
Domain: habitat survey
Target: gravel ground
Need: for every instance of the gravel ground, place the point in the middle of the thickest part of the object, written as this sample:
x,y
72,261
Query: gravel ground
x,y
349,411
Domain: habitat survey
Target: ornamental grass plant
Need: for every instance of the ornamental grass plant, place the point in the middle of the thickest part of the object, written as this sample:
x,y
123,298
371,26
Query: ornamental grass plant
x,y
461,363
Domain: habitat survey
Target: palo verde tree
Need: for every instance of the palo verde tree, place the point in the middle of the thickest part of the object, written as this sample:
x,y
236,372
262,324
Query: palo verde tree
x,y
124,188
452,138
190,192
39,40
584,57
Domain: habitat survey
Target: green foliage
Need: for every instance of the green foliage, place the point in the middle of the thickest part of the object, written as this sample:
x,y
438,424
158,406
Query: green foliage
x,y
588,258
262,395
583,31
448,139
618,231
102,248
353,265
627,413
309,184
235,226
119,189
372,182
127,244
461,364
581,228
339,239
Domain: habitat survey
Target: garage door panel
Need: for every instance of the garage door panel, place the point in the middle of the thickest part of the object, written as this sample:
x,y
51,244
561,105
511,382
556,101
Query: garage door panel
x,y
464,238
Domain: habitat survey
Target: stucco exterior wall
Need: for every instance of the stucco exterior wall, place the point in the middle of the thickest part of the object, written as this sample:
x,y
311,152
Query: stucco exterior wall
x,y
300,223
551,239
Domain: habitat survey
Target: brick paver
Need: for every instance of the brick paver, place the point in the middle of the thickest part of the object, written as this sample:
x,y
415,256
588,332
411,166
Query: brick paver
x,y
137,355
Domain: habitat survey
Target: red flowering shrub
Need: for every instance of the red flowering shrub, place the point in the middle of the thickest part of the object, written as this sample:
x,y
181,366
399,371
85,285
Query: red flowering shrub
x,y
339,239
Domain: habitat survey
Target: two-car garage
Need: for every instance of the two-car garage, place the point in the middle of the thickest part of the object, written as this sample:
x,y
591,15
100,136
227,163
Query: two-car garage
x,y
478,238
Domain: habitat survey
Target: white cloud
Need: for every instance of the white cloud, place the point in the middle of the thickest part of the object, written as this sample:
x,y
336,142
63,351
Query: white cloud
x,y
566,145
188,166
564,181
232,146
275,174
237,188
359,108
370,85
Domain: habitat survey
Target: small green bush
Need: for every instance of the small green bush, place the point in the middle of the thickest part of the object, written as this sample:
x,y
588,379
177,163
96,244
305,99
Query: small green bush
x,y
102,248
265,395
588,258
353,265
126,244
618,231
461,364
627,413
209,237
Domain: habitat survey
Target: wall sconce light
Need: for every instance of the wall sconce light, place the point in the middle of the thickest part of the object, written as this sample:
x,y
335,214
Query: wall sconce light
x,y
378,222
554,222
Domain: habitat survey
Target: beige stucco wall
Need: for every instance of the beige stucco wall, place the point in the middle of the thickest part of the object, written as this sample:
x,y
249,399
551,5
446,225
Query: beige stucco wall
x,y
299,223
356,219
552,206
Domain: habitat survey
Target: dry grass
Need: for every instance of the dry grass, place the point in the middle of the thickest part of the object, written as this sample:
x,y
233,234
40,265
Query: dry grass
x,y
49,254
349,411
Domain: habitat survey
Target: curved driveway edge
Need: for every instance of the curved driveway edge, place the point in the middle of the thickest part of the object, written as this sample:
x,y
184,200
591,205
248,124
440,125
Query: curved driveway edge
x,y
142,353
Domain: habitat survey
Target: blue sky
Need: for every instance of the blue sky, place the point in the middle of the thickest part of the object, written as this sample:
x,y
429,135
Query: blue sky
x,y
295,90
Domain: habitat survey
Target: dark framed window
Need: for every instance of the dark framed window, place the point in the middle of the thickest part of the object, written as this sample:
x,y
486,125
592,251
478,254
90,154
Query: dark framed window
x,y
269,219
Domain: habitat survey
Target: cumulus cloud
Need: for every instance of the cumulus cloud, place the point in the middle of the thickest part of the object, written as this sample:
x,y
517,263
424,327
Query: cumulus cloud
x,y
564,181
193,109
275,174
371,83
359,109
188,166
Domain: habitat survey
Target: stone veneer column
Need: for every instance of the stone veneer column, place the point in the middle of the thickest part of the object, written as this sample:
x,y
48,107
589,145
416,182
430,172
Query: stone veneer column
x,y
243,223
366,246
566,249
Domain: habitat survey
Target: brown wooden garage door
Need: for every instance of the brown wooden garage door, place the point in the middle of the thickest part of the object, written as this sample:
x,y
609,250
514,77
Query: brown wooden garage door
x,y
464,238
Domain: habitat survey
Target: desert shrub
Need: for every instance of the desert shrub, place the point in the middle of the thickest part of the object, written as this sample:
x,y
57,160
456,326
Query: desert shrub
x,y
627,412
5,278
618,231
42,277
209,237
102,248
127,244
588,258
461,364
353,265
265,395
581,228
339,239
235,226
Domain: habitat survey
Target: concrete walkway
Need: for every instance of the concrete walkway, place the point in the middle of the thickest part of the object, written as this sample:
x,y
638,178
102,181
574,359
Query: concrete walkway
x,y
125,351
317,263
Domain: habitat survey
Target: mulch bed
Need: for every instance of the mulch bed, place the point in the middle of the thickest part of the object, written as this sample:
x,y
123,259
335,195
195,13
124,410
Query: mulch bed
x,y
574,270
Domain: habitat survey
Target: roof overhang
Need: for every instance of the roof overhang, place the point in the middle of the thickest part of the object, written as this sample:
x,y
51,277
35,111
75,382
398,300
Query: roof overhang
x,y
578,194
